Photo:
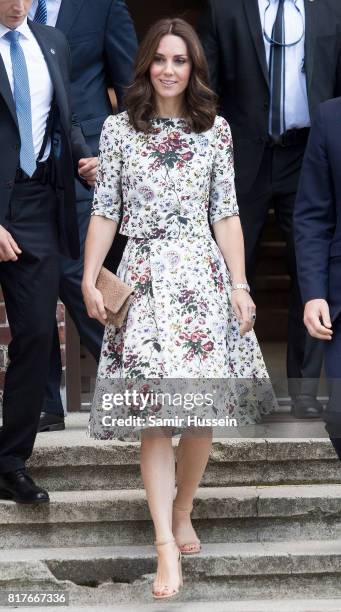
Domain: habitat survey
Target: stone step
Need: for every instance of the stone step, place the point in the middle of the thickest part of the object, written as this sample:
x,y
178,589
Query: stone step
x,y
221,514
233,462
274,249
272,259
271,232
221,571
276,300
272,282
259,605
271,265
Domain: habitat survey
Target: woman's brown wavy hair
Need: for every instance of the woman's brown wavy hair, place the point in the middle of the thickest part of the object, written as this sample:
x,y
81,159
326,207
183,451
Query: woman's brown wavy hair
x,y
200,100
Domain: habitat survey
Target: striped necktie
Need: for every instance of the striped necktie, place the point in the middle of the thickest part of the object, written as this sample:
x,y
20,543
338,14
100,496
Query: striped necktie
x,y
277,74
41,12
22,99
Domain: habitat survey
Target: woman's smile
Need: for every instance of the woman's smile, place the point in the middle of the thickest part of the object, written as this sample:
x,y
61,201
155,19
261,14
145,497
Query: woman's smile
x,y
167,83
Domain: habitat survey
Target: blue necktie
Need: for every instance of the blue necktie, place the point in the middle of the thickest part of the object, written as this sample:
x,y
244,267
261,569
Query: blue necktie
x,y
41,12
277,74
22,100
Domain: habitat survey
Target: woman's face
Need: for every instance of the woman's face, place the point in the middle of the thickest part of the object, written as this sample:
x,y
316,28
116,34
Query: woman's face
x,y
171,68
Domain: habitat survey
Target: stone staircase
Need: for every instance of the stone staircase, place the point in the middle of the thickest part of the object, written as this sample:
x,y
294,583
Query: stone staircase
x,y
268,513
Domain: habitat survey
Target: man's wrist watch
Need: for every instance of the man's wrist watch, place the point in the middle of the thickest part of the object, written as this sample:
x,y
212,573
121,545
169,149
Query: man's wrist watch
x,y
245,286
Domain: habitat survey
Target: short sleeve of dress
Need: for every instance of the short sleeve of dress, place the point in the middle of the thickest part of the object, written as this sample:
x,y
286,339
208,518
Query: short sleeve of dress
x,y
107,201
223,200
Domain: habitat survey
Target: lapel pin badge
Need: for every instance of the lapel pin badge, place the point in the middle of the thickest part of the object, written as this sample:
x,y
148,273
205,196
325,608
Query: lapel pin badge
x,y
53,51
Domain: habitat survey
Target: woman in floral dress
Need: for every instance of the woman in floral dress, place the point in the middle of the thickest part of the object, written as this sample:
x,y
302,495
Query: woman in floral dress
x,y
166,172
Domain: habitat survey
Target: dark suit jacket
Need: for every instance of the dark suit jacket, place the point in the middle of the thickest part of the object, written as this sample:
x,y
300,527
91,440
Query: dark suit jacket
x,y
317,216
68,144
232,36
103,45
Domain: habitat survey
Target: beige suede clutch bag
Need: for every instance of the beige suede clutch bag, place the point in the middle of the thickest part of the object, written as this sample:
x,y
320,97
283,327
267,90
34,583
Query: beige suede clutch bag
x,y
117,296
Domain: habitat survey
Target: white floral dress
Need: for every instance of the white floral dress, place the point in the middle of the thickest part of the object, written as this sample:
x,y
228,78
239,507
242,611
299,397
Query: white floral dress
x,y
165,188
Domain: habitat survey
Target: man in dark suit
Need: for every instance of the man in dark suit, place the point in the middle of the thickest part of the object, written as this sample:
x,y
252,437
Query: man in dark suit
x,y
317,225
103,45
272,63
42,150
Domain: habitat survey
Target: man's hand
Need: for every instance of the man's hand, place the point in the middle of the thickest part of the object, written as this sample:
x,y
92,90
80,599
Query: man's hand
x,y
9,249
87,169
317,319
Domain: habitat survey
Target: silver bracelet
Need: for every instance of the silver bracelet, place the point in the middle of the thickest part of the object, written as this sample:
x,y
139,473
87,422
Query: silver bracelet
x,y
241,286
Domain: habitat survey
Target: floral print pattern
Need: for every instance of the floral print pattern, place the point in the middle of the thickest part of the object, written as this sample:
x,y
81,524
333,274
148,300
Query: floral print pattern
x,y
165,187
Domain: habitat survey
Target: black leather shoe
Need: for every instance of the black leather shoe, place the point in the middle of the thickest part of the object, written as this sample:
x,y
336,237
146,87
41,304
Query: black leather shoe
x,y
20,487
306,407
51,422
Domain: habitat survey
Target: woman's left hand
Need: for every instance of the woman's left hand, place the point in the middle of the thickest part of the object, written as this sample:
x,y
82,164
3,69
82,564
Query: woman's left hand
x,y
244,309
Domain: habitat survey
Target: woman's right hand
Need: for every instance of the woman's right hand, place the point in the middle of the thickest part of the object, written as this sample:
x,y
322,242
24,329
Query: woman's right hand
x,y
93,300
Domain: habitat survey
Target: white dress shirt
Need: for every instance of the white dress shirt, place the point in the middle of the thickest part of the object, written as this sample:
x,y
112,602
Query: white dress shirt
x,y
40,83
296,98
52,6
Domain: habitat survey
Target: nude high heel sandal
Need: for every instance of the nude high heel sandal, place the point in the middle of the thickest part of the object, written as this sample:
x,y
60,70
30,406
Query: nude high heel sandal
x,y
188,548
164,591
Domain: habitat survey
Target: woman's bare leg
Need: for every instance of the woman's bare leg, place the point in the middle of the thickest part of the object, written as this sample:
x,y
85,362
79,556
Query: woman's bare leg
x,y
192,456
158,474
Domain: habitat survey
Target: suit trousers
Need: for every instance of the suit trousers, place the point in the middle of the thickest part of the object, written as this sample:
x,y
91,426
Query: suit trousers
x,y
275,187
30,289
